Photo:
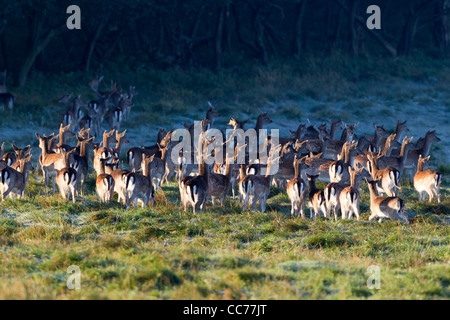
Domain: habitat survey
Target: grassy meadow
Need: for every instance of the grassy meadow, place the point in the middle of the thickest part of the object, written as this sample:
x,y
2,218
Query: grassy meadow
x,y
224,253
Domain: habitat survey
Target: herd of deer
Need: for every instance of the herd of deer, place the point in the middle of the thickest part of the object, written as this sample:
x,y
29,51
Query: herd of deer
x,y
310,154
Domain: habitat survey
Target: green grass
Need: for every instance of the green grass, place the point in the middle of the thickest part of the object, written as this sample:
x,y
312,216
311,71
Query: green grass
x,y
223,253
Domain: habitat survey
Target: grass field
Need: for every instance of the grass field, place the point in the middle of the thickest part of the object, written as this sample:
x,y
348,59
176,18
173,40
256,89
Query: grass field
x,y
224,253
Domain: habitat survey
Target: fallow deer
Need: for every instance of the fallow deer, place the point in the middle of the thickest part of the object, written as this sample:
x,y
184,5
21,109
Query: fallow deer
x,y
67,178
13,182
297,189
427,181
387,178
51,162
138,187
104,184
257,187
381,207
316,198
349,198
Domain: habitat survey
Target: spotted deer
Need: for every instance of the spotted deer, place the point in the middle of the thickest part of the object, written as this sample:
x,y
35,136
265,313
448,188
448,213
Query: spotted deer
x,y
81,160
13,182
51,162
348,132
119,176
381,207
67,178
64,134
297,189
257,187
197,189
138,187
387,178
397,162
338,169
349,197
413,155
121,140
104,184
135,154
316,198
12,157
400,129
361,160
371,144
427,181
218,183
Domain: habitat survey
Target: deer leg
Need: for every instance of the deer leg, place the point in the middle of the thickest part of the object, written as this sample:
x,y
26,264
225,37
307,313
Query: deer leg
x,y
430,194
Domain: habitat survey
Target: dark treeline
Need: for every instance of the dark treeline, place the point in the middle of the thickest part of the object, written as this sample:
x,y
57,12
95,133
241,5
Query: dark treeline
x,y
210,33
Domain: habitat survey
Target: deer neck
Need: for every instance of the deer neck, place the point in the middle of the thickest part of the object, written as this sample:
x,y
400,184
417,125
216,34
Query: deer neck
x,y
374,166
398,133
202,170
333,128
296,170
146,172
312,187
403,157
227,169
259,125
372,193
420,166
102,167
426,146
387,149
242,174
347,155
119,146
377,139
84,151
62,139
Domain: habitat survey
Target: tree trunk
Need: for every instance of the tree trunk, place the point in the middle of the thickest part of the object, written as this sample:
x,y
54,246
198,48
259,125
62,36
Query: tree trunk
x,y
297,44
356,35
36,42
378,36
26,66
3,44
218,38
408,34
259,28
441,28
238,28
93,41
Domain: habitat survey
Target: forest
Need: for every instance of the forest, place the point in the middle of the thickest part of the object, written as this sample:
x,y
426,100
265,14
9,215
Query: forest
x,y
211,33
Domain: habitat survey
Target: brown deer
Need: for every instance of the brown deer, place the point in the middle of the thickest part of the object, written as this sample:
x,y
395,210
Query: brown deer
x,y
316,198
104,184
13,182
297,189
349,197
387,178
67,178
427,181
381,207
138,187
